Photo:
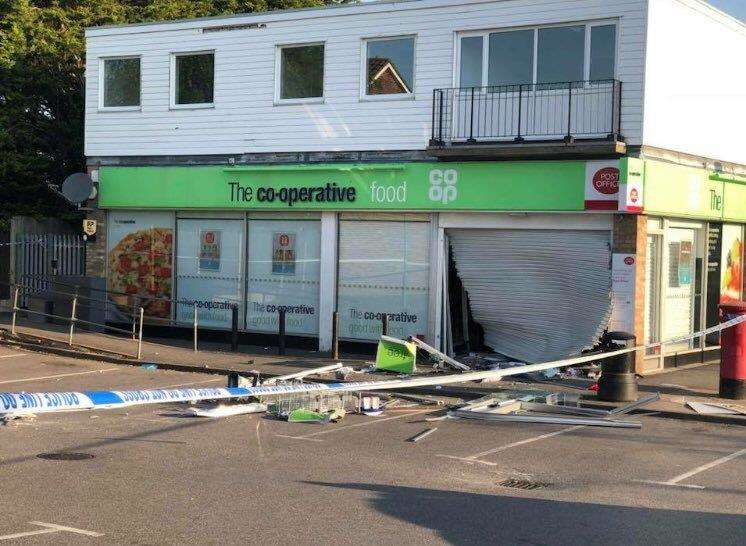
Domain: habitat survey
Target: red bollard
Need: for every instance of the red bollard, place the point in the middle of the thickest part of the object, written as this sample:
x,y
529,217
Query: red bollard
x,y
733,352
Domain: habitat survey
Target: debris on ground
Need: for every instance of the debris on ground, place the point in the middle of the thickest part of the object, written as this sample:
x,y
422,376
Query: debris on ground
x,y
371,406
302,374
709,408
225,410
301,415
344,372
17,419
424,434
545,407
396,355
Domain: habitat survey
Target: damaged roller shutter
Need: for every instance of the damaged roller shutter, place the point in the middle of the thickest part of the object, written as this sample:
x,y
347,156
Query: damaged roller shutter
x,y
538,294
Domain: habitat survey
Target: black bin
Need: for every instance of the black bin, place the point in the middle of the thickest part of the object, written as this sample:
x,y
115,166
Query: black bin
x,y
618,382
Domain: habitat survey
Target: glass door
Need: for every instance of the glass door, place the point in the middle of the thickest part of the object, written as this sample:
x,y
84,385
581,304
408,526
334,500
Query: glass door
x,y
679,287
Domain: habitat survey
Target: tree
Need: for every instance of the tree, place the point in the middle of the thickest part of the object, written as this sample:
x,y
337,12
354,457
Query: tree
x,y
42,86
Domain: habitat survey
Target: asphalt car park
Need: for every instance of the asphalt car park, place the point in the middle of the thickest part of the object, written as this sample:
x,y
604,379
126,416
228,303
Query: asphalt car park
x,y
153,476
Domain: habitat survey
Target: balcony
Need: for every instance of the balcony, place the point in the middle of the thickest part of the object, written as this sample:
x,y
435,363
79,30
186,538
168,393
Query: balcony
x,y
533,120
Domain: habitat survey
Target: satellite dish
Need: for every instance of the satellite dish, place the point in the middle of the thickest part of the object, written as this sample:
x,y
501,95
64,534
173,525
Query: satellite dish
x,y
78,188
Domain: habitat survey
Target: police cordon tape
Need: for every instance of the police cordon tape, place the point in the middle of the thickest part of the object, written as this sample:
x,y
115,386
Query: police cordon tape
x,y
24,403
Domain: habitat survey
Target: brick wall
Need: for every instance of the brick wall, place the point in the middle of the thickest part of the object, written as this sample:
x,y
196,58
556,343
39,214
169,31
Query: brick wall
x,y
630,237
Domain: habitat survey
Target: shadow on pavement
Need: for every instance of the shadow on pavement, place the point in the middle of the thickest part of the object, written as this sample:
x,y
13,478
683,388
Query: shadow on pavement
x,y
472,518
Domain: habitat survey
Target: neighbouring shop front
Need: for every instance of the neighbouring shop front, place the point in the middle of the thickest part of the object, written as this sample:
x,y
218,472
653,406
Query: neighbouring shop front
x,y
694,257
367,240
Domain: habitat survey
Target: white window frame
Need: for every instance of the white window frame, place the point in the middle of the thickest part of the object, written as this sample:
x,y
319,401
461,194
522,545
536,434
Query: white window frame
x,y
102,82
278,75
364,96
485,34
173,82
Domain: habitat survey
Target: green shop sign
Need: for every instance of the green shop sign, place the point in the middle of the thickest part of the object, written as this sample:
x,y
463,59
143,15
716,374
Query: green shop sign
x,y
520,185
690,192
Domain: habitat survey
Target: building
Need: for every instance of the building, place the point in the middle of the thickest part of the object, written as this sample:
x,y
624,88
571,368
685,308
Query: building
x,y
526,173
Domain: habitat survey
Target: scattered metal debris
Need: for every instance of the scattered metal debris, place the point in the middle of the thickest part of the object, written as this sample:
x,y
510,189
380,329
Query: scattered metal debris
x,y
225,410
65,456
709,408
424,434
545,407
301,375
517,483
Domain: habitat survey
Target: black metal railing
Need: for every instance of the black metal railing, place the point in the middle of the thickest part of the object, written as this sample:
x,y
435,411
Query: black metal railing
x,y
532,111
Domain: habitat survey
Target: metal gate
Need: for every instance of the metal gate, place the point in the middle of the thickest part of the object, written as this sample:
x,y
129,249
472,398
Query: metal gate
x,y
36,258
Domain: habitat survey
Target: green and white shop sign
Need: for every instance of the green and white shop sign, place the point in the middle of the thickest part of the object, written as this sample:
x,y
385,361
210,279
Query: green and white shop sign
x,y
677,190
519,185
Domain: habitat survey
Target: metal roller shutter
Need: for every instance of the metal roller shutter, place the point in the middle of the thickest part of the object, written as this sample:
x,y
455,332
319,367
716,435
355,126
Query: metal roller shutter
x,y
538,294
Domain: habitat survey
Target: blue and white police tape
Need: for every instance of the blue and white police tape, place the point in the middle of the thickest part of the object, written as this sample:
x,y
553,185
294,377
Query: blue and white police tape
x,y
14,403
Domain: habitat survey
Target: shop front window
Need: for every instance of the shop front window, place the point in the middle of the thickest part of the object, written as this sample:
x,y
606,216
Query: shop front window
x,y
139,265
283,273
383,269
652,292
208,270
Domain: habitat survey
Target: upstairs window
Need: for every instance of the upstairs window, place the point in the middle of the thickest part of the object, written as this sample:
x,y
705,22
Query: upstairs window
x,y
120,81
193,79
389,66
603,46
301,70
544,55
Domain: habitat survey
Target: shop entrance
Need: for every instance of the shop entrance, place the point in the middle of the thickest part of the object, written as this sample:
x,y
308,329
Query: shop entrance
x,y
536,294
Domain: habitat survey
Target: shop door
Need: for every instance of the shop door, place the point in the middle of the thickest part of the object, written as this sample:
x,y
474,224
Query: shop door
x,y
538,294
679,287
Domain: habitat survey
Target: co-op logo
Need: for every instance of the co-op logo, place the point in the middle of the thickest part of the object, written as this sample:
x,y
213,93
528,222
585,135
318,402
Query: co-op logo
x,y
606,180
443,185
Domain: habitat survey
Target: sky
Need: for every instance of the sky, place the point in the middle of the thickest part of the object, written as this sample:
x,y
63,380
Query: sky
x,y
736,8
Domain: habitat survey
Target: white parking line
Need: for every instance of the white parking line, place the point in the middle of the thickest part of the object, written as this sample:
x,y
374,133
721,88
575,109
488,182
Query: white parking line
x,y
17,355
674,482
477,456
364,424
56,376
50,528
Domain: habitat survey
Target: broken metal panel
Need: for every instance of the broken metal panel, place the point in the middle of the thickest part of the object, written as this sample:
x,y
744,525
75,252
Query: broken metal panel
x,y
538,294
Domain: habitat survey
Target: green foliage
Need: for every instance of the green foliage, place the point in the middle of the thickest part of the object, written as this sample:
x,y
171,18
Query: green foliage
x,y
42,66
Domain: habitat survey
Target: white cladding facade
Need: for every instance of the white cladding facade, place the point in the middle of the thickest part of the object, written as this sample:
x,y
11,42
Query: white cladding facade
x,y
676,59
245,118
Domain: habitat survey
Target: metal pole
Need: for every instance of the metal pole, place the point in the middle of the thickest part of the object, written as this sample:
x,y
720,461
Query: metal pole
x,y
385,324
134,317
72,320
518,138
15,310
234,328
471,118
139,342
335,335
195,326
281,333
569,113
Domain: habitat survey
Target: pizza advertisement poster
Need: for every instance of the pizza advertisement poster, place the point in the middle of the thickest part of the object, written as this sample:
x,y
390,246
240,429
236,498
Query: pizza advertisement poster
x,y
731,269
209,249
140,262
283,253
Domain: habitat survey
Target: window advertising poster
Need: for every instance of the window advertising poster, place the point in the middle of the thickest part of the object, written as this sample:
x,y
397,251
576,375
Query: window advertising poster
x,y
283,253
208,270
383,269
283,273
731,269
140,264
209,250
623,285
